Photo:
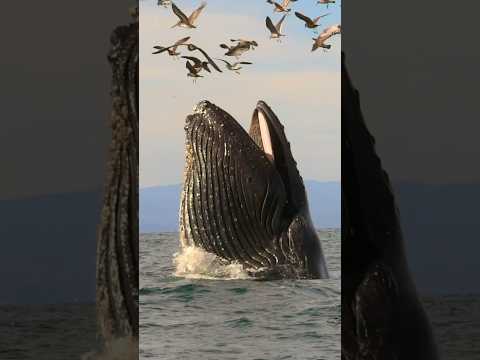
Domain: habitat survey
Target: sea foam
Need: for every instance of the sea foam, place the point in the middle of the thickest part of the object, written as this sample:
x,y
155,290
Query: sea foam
x,y
195,263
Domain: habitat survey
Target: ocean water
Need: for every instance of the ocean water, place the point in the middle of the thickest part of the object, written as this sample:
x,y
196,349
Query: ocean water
x,y
222,314
47,332
456,324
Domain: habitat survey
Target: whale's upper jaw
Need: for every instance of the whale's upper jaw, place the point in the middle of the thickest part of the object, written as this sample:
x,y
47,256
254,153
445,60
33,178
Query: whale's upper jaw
x,y
282,154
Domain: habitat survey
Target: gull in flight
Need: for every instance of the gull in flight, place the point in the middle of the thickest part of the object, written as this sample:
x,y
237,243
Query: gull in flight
x,y
324,36
192,72
283,7
164,3
326,2
251,43
235,66
236,50
187,22
309,22
197,64
172,50
275,30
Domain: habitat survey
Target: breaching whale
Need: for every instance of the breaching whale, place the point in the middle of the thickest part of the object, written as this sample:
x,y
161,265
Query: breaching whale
x,y
382,317
243,198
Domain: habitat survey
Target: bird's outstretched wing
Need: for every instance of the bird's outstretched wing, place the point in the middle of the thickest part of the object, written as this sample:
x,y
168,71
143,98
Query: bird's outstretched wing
x,y
190,67
303,17
330,31
278,6
197,12
319,17
245,63
270,25
279,24
179,13
182,41
225,61
215,66
160,49
196,61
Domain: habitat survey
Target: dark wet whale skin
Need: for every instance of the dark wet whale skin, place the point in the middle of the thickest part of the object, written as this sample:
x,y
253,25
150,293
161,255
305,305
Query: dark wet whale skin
x,y
382,317
236,204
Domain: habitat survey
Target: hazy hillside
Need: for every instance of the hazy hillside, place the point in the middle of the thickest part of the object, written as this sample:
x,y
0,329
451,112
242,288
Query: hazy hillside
x,y
159,206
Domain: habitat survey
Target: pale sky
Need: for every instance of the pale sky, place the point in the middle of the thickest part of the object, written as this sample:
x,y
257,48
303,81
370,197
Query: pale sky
x,y
303,88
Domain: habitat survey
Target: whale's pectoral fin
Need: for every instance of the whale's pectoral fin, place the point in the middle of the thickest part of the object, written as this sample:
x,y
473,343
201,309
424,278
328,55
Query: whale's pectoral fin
x,y
374,308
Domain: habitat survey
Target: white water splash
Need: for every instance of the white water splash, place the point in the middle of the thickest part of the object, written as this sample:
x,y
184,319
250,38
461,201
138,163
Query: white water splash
x,y
195,263
118,349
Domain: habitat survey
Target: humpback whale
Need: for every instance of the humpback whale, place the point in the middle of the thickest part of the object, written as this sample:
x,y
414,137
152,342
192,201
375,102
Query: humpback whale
x,y
382,317
243,198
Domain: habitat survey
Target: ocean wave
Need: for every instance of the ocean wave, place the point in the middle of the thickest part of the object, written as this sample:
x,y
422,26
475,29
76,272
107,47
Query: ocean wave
x,y
194,263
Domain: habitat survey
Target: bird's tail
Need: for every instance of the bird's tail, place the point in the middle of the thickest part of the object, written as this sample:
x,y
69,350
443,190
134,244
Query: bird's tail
x,y
224,46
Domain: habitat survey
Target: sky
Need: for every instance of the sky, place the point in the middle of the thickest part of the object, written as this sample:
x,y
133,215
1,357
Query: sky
x,y
303,88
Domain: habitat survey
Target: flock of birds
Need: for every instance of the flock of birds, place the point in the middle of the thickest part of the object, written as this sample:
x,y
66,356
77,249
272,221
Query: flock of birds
x,y
238,47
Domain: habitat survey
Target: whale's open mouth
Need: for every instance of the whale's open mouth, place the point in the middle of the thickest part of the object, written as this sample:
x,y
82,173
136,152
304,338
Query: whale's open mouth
x,y
241,190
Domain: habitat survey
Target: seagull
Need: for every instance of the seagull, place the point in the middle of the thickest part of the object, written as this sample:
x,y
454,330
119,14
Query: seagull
x,y
192,72
185,21
172,50
324,36
236,50
164,3
280,7
197,64
275,30
235,66
192,47
251,43
309,23
326,2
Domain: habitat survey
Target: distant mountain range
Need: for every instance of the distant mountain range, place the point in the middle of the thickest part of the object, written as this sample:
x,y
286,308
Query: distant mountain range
x,y
159,206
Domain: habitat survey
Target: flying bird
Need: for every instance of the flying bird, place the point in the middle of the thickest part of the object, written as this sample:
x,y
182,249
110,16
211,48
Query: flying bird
x,y
192,47
275,30
187,22
309,23
197,64
251,43
164,3
235,66
172,49
192,72
283,7
236,50
326,2
324,36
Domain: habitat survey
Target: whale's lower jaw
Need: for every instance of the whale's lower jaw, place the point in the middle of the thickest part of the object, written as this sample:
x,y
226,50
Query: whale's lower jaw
x,y
243,198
